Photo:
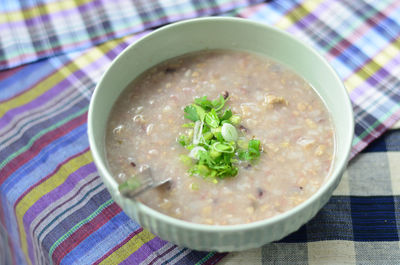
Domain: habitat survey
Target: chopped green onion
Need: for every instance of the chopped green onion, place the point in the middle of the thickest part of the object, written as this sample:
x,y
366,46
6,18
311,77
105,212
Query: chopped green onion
x,y
130,184
253,151
242,144
214,153
188,125
213,144
197,133
208,136
235,119
182,139
186,160
194,153
194,186
229,132
223,147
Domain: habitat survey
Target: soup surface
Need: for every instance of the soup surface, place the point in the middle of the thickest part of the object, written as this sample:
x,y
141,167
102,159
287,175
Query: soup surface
x,y
276,106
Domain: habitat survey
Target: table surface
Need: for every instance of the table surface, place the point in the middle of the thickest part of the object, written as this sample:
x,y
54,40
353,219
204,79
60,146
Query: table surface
x,y
54,208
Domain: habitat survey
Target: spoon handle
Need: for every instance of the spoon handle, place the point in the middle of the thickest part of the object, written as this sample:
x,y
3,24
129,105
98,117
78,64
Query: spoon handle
x,y
140,183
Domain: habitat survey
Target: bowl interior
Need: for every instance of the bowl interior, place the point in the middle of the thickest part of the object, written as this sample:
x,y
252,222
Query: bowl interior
x,y
220,33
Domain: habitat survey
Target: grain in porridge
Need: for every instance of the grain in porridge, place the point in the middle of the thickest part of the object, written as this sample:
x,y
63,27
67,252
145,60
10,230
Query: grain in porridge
x,y
274,104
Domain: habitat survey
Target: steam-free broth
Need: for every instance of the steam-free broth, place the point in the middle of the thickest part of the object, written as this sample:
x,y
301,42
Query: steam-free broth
x,y
276,106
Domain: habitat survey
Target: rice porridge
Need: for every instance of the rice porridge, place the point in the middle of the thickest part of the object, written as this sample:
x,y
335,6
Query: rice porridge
x,y
274,105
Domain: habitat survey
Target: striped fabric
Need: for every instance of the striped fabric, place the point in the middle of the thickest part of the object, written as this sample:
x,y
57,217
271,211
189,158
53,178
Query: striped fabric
x,y
54,208
361,40
32,30
54,205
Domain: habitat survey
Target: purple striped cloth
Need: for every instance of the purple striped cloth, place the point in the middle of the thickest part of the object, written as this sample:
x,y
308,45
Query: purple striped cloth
x,y
361,41
54,209
32,30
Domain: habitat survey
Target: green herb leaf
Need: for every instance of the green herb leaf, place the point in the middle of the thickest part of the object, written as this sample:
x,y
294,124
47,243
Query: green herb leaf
x,y
194,113
253,151
191,113
219,137
227,114
213,145
205,158
254,148
244,155
212,119
182,139
219,103
200,112
204,103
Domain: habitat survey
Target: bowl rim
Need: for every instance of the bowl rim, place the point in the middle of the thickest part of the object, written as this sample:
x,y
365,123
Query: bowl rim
x,y
340,163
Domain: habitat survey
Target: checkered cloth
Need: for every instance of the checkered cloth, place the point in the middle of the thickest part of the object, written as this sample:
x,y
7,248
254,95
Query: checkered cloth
x,y
359,225
54,208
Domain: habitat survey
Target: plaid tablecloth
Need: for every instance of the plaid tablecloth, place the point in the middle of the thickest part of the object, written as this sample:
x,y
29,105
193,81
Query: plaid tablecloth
x,y
359,225
54,208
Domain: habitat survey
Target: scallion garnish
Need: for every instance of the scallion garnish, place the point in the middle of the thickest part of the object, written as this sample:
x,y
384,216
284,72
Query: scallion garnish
x,y
213,143
229,132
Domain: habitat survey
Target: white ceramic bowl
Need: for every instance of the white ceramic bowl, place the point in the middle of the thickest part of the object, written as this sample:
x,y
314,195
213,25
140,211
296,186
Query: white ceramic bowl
x,y
221,33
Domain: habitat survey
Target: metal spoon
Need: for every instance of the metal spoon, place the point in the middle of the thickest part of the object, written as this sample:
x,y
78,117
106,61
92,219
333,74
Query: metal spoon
x,y
141,182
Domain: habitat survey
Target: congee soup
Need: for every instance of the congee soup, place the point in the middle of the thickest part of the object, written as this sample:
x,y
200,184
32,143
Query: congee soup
x,y
242,137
